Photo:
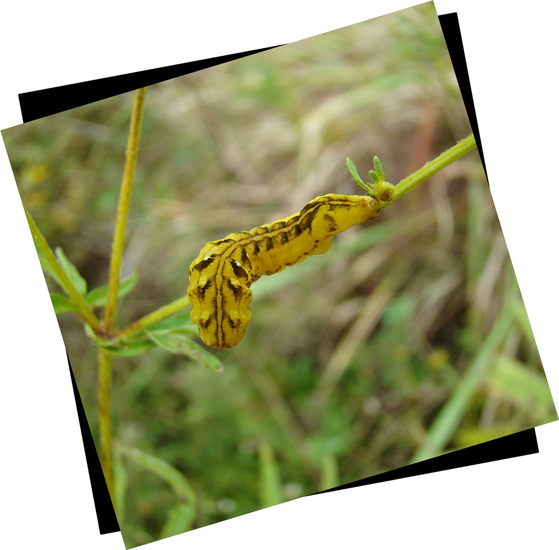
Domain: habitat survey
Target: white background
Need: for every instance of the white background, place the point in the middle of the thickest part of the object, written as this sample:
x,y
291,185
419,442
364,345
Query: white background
x,y
511,52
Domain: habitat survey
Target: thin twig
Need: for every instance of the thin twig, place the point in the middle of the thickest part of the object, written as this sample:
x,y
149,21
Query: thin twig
x,y
123,207
154,316
104,358
433,166
105,361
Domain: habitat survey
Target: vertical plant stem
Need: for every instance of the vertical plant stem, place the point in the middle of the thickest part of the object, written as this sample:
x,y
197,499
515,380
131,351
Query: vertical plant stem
x,y
123,206
104,375
105,360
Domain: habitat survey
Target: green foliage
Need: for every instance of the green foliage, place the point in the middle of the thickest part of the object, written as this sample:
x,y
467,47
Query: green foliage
x,y
355,174
47,268
183,345
382,190
329,477
374,177
121,485
95,298
180,519
129,348
98,296
511,382
179,323
378,170
73,274
270,483
181,516
61,304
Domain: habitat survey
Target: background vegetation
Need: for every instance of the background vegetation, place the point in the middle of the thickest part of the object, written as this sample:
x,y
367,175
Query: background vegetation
x,y
406,340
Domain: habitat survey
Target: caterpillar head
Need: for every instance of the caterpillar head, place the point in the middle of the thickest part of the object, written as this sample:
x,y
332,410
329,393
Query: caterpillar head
x,y
221,329
220,300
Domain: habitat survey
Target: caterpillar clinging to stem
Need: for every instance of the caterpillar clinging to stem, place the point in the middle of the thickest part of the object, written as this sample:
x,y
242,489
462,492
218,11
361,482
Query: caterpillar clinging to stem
x,y
221,275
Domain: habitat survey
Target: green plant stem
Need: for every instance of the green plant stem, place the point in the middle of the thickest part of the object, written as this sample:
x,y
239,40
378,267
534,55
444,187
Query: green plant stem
x,y
104,377
77,299
432,167
450,415
123,207
104,359
154,316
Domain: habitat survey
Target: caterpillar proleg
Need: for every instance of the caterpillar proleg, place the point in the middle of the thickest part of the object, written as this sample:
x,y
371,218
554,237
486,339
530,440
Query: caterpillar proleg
x,y
221,275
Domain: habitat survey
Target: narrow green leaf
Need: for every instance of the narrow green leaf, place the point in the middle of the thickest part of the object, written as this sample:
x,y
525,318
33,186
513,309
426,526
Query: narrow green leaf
x,y
519,385
179,520
329,476
165,471
353,171
130,348
270,482
61,303
181,322
468,437
98,296
73,274
521,316
46,266
182,515
374,177
378,168
183,345
450,415
120,485
123,348
357,178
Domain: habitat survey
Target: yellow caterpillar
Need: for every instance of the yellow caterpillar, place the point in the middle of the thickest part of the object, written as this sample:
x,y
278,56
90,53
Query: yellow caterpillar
x,y
221,275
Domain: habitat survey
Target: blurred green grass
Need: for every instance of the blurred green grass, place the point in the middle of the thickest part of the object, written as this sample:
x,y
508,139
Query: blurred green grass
x,y
352,357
